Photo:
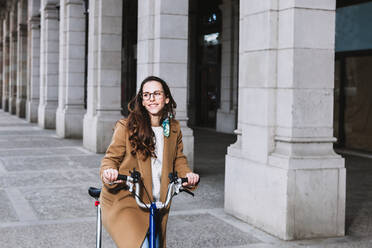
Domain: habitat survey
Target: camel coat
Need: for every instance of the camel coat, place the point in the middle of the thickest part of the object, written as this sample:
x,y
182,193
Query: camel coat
x,y
123,219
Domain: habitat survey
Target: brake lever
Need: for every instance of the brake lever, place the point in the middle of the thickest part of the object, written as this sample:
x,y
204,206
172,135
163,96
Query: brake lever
x,y
187,191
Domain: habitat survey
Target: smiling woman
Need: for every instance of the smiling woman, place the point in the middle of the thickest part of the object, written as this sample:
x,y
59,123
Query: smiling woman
x,y
149,141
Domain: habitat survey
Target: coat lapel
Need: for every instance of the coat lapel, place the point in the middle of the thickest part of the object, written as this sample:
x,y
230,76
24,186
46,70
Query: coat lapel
x,y
145,170
167,166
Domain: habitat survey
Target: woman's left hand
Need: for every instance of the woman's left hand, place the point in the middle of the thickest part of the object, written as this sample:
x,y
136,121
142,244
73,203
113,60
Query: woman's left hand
x,y
192,179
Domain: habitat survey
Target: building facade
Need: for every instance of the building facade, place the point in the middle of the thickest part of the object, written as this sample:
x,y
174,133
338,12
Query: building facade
x,y
284,76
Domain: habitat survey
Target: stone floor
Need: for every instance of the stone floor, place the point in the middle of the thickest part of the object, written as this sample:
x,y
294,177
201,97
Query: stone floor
x,y
44,182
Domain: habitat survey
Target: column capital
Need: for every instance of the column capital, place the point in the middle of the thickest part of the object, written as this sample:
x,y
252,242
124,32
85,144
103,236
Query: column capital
x,y
51,11
34,21
76,2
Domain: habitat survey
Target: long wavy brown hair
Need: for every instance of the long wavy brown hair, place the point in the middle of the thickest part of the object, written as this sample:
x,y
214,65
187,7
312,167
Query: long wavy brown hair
x,y
141,136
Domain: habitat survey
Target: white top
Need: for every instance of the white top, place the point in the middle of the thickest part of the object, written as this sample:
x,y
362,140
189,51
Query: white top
x,y
156,163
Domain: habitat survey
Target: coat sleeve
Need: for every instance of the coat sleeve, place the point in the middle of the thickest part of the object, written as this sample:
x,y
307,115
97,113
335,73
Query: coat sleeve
x,y
115,152
180,162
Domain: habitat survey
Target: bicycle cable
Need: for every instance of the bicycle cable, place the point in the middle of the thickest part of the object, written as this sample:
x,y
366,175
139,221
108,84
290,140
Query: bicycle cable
x,y
147,193
139,198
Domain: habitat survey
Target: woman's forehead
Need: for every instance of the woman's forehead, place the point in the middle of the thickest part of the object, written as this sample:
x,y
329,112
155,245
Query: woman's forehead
x,y
151,86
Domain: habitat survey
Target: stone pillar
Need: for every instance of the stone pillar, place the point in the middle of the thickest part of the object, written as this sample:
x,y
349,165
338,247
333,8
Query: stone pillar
x,y
5,98
13,61
22,59
33,80
104,73
226,114
70,112
1,63
162,51
49,52
282,174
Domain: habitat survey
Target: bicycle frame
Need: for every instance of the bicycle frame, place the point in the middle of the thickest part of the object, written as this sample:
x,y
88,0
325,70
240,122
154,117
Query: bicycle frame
x,y
174,187
95,193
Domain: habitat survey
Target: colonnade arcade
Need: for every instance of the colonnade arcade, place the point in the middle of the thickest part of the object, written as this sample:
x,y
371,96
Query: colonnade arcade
x,y
62,66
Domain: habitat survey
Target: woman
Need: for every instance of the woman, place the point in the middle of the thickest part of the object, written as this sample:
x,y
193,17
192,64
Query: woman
x,y
150,141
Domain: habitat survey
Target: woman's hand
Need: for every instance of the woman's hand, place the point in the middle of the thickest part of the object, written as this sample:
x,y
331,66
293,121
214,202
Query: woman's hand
x,y
192,179
110,176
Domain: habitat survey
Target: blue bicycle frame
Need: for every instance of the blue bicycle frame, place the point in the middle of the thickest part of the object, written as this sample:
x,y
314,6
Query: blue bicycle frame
x,y
174,187
152,229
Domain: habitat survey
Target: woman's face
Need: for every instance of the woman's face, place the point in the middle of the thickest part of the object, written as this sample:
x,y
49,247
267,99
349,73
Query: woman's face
x,y
153,98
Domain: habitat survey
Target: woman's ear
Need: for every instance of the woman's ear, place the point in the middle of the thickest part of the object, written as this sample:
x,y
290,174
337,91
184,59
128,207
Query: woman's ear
x,y
166,100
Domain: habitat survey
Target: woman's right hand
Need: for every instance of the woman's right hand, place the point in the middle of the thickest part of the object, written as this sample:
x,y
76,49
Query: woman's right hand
x,y
110,176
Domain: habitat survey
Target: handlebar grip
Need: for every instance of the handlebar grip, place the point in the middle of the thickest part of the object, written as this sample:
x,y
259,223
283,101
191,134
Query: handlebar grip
x,y
122,177
184,180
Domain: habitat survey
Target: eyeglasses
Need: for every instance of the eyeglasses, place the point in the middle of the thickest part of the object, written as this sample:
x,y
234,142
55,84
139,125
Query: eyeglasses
x,y
157,95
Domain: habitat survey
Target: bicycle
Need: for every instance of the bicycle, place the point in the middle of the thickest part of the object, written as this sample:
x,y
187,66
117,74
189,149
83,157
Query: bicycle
x,y
134,186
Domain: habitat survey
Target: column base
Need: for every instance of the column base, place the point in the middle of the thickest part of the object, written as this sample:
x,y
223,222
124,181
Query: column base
x,y
47,115
12,105
21,108
295,203
226,121
98,130
5,104
32,110
69,122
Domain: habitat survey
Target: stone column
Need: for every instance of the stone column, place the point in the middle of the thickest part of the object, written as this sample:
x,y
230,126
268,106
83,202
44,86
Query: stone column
x,y
1,63
49,52
13,61
282,174
70,112
162,51
33,80
104,73
226,114
5,98
22,59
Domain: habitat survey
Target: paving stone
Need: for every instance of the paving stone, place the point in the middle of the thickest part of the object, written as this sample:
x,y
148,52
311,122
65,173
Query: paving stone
x,y
22,132
60,162
40,151
53,203
36,142
54,174
203,230
208,195
49,178
79,235
7,213
11,124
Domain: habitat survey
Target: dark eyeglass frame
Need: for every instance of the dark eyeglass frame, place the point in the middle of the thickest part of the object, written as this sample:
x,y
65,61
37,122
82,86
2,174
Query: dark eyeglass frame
x,y
158,94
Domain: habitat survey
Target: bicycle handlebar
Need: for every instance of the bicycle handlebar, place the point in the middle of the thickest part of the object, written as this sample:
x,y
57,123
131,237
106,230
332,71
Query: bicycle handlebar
x,y
122,177
174,187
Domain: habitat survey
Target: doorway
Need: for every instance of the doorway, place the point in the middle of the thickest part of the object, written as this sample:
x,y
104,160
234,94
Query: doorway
x,y
353,85
205,45
129,54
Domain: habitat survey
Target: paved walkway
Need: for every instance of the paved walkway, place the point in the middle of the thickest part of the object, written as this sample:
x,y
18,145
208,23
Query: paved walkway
x,y
44,182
